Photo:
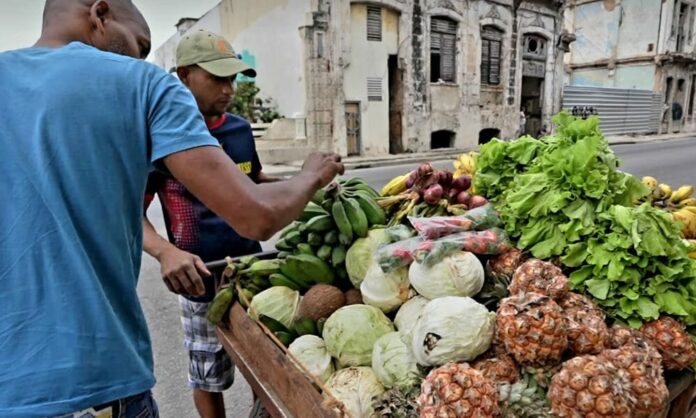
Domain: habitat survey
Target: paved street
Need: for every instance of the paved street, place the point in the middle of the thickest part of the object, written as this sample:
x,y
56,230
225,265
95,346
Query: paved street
x,y
671,162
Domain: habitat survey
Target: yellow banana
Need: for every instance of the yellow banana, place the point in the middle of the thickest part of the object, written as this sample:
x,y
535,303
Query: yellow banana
x,y
662,192
688,202
649,181
688,219
395,186
465,163
684,192
691,209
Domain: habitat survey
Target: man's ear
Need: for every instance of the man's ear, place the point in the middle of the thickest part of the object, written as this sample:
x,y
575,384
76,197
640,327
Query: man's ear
x,y
183,73
98,14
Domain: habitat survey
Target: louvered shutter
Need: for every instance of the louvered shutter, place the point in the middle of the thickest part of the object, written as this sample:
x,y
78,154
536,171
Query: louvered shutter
x,y
494,70
374,89
374,23
447,54
485,59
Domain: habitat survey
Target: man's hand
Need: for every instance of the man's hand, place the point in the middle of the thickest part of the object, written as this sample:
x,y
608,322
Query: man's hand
x,y
181,271
325,165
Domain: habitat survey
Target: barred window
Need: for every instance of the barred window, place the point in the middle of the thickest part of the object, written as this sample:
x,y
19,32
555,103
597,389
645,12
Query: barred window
x,y
491,44
443,49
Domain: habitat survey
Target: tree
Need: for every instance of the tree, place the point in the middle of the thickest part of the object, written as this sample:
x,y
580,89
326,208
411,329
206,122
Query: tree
x,y
246,104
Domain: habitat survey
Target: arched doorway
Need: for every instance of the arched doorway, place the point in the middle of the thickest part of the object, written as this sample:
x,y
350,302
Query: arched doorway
x,y
442,139
485,135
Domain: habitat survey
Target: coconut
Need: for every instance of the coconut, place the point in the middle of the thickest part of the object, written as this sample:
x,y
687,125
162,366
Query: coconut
x,y
321,301
353,297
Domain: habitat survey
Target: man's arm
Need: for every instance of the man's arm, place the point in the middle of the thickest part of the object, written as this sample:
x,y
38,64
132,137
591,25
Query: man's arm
x,y
254,211
181,271
264,178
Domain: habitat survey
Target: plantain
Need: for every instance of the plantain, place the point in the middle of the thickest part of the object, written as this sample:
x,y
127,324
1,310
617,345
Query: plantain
x,y
356,217
283,245
318,196
295,226
315,239
262,268
320,223
278,279
307,270
305,326
324,252
272,324
374,213
331,237
344,240
341,219
293,238
305,248
219,306
338,256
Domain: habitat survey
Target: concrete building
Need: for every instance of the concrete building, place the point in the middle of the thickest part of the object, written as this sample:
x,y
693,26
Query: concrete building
x,y
636,46
391,76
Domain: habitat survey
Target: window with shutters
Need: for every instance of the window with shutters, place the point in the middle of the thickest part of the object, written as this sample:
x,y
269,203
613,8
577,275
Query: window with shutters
x,y
443,49
491,45
374,89
374,23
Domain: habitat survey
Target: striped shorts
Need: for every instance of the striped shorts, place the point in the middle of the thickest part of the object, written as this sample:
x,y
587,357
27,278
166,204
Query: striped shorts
x,y
210,367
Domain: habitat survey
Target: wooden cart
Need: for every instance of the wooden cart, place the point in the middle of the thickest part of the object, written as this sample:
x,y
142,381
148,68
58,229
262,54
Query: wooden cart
x,y
288,392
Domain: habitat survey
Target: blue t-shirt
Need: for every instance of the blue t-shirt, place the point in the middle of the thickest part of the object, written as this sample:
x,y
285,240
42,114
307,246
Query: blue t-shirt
x,y
80,130
190,225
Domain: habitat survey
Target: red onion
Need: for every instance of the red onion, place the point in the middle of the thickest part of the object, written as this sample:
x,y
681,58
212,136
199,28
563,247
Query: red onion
x,y
463,198
477,201
433,194
462,183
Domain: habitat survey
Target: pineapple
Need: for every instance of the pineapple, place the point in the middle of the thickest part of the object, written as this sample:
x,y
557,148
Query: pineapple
x,y
539,277
622,336
672,341
503,266
523,399
587,331
533,329
458,390
590,387
501,368
499,271
647,382
397,404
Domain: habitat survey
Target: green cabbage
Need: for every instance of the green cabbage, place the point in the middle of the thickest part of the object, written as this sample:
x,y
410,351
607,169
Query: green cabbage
x,y
351,332
310,350
452,329
460,274
278,302
386,291
407,316
360,254
394,364
356,388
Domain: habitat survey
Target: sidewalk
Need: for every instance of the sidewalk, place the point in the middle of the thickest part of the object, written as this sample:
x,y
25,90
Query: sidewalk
x,y
644,139
353,163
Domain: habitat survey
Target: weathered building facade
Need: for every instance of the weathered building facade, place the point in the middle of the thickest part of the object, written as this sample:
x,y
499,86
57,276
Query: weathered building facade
x,y
637,45
391,76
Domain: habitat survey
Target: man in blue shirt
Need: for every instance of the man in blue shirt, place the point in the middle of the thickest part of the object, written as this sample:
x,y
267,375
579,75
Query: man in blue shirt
x,y
81,130
207,65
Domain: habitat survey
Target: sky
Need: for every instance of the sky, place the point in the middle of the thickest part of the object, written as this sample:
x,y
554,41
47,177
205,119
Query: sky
x,y
20,20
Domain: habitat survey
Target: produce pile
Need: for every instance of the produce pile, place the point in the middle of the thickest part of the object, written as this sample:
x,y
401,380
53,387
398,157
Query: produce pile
x,y
537,280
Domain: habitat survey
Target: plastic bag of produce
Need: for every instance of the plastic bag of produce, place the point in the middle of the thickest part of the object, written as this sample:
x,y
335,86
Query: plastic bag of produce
x,y
397,255
481,218
489,242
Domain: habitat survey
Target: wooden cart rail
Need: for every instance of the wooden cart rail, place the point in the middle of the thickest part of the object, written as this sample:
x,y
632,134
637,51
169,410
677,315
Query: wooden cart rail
x,y
282,387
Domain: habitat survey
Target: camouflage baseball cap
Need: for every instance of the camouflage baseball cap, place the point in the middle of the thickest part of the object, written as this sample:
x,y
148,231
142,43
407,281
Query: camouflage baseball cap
x,y
212,53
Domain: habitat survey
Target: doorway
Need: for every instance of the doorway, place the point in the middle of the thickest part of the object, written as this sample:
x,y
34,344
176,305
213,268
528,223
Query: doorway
x,y
532,104
485,135
396,105
353,128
